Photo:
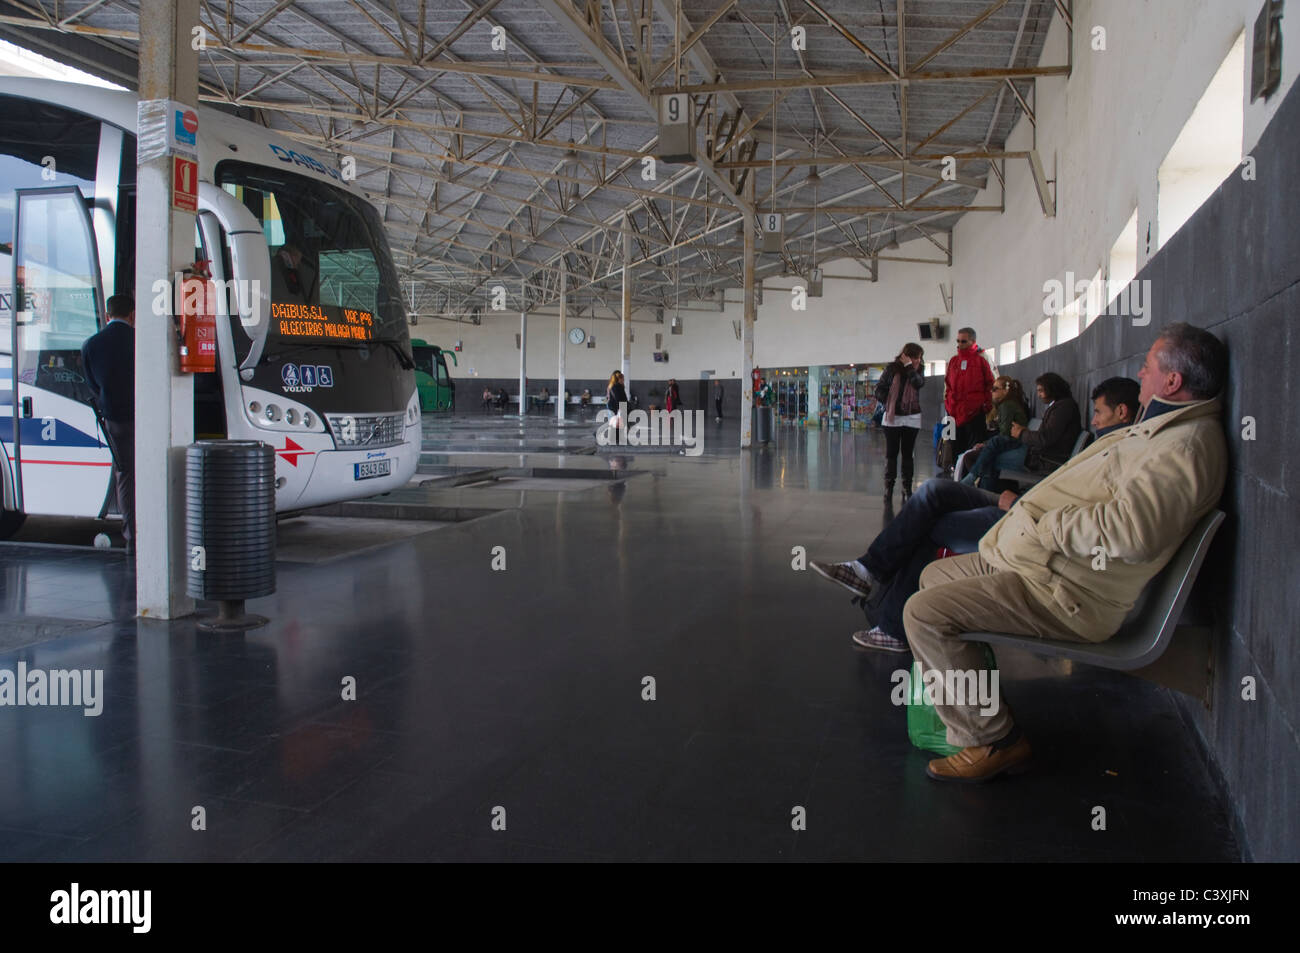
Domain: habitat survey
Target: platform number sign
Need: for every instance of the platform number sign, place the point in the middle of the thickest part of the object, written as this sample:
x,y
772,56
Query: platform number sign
x,y
674,109
772,222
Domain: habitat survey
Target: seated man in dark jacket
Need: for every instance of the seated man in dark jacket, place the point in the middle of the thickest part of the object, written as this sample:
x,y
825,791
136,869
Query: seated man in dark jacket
x,y
1038,450
108,360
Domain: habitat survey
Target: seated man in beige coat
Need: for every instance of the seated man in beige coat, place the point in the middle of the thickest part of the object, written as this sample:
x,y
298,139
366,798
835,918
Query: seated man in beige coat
x,y
1136,493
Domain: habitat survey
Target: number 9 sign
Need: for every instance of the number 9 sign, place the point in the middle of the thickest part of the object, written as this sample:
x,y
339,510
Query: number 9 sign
x,y
674,109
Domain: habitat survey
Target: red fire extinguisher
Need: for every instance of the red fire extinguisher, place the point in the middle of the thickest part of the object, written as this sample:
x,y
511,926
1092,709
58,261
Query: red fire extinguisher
x,y
198,321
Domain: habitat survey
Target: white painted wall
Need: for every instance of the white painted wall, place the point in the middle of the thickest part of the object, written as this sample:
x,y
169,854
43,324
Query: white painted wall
x,y
854,321
1102,133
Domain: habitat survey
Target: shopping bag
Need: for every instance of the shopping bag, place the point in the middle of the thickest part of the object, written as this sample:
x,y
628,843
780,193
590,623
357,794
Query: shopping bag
x,y
924,727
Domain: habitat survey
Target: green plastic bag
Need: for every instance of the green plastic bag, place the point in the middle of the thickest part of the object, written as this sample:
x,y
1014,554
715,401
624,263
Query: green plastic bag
x,y
924,727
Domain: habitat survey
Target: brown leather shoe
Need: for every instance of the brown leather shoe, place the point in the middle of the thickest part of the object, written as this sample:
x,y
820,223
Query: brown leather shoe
x,y
981,763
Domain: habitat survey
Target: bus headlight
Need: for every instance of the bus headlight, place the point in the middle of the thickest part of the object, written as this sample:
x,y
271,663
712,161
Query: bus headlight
x,y
267,411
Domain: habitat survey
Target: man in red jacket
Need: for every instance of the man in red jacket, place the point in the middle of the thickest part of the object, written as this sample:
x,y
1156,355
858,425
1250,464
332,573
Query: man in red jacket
x,y
968,391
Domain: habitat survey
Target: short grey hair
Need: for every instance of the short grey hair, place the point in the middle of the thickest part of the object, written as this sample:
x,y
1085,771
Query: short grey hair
x,y
1197,355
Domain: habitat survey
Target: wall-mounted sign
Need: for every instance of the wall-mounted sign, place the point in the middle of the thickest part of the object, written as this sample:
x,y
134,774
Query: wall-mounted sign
x,y
185,184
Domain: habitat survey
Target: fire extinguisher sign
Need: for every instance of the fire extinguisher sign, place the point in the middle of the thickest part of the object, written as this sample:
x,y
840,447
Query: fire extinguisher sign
x,y
185,184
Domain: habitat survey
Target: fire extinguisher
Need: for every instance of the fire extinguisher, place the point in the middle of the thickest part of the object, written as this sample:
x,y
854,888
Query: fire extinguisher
x,y
197,334
755,382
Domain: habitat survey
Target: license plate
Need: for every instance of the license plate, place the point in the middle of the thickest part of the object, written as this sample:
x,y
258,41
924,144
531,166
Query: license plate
x,y
371,469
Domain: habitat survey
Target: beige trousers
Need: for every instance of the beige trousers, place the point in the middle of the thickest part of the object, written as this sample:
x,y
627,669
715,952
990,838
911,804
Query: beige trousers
x,y
966,594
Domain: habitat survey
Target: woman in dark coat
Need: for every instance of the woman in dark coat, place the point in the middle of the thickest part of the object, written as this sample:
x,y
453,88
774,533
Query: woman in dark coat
x,y
615,393
897,392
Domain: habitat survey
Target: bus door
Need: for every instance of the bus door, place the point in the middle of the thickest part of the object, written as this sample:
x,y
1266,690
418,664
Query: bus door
x,y
62,462
446,389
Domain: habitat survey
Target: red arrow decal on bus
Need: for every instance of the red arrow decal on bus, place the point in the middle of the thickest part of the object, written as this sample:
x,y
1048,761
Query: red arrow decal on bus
x,y
292,452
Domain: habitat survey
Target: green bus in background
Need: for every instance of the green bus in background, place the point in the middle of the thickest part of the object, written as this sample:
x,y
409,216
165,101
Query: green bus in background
x,y
437,392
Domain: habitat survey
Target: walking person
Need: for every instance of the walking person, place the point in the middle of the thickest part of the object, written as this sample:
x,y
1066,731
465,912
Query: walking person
x,y
672,396
898,392
108,360
616,398
717,399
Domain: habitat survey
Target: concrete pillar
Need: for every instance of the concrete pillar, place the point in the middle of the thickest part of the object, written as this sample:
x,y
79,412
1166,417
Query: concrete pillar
x,y
164,398
560,407
626,367
751,312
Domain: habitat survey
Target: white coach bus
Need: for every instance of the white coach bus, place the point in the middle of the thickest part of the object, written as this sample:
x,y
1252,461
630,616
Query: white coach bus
x,y
319,365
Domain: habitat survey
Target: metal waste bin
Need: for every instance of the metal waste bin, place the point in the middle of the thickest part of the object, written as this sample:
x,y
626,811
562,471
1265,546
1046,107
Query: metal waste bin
x,y
764,424
230,527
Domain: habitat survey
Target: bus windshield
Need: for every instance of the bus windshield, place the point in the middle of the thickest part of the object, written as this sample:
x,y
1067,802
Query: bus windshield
x,y
332,277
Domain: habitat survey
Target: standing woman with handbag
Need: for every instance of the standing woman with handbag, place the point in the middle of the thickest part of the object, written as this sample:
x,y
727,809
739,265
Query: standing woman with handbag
x,y
898,392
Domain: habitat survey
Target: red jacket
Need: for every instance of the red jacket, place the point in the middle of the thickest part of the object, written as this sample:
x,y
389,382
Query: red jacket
x,y
968,390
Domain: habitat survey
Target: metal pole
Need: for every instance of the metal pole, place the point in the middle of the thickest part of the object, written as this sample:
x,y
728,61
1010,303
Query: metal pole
x,y
523,351
560,408
627,306
751,313
164,398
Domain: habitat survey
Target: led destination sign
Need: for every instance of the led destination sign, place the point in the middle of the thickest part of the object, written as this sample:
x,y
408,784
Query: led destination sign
x,y
313,321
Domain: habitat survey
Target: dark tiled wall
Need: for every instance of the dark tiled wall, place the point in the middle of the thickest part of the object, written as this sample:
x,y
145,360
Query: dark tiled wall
x,y
1233,268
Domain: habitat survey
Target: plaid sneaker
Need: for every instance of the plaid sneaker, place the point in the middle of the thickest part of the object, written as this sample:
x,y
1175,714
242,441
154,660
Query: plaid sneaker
x,y
877,639
845,575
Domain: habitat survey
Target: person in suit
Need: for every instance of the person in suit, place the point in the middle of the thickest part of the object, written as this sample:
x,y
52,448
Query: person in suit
x,y
108,360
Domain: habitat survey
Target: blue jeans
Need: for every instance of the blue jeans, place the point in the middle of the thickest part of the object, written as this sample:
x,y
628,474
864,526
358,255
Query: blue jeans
x,y
999,453
940,513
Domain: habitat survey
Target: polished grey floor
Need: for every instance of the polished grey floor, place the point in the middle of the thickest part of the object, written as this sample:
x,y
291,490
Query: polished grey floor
x,y
514,697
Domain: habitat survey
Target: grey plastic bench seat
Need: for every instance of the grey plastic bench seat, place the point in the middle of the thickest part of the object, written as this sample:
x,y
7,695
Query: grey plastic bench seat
x,y
1149,626
1029,477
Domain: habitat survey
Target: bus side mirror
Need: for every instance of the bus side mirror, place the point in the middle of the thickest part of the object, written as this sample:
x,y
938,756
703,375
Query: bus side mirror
x,y
250,261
